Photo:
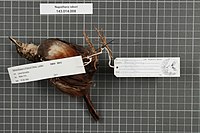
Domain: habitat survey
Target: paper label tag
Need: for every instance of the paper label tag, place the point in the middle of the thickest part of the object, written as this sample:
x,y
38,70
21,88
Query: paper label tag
x,y
147,67
46,69
69,8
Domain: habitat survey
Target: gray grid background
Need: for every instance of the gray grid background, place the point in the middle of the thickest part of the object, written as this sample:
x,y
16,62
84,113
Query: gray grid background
x,y
140,29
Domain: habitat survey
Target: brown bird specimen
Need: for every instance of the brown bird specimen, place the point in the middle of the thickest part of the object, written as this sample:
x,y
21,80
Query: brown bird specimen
x,y
75,85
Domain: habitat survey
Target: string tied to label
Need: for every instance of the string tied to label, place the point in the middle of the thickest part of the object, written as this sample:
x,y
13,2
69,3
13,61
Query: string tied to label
x,y
98,53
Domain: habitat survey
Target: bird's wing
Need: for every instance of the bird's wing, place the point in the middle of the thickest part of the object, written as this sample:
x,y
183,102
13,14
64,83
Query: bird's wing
x,y
76,85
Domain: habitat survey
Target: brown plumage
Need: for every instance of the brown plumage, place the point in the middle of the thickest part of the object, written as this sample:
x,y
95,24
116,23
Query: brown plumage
x,y
75,85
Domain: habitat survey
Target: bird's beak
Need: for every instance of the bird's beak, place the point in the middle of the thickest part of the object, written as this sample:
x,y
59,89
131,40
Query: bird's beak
x,y
16,42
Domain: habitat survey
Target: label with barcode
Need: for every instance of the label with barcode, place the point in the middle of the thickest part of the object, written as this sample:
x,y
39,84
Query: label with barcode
x,y
47,69
66,8
147,67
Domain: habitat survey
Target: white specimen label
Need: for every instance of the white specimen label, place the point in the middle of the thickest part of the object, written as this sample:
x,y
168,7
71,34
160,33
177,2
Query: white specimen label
x,y
63,8
47,69
147,67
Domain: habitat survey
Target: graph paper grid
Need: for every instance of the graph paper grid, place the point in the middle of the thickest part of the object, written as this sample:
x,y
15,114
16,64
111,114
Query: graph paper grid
x,y
149,28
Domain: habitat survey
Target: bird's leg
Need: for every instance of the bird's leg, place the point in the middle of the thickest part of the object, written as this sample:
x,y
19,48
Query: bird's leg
x,y
95,58
105,45
99,50
104,42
